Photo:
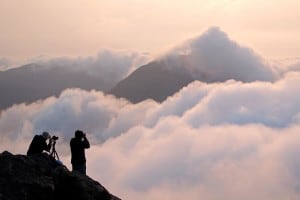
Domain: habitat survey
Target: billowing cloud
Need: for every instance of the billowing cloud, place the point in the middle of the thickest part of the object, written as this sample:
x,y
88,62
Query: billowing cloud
x,y
230,140
212,162
214,57
235,102
294,67
111,66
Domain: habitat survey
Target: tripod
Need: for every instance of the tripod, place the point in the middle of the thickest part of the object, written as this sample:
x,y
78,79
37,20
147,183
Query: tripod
x,y
53,153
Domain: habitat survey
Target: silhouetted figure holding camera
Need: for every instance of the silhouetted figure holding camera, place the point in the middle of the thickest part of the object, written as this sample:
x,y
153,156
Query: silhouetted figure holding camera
x,y
78,146
39,144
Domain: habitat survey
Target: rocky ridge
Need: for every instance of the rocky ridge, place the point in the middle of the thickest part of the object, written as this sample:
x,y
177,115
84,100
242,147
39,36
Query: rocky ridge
x,y
40,177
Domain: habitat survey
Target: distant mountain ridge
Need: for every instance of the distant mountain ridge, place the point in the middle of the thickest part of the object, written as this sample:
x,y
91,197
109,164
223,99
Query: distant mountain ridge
x,y
31,82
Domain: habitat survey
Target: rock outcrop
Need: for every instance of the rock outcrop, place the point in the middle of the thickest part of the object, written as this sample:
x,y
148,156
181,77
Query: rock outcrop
x,y
40,177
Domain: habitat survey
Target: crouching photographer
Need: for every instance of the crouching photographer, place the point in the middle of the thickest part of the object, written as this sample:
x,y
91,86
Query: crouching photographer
x,y
39,144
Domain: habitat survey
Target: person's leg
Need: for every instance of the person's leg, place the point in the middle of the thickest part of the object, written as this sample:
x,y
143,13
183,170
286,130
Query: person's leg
x,y
79,168
84,169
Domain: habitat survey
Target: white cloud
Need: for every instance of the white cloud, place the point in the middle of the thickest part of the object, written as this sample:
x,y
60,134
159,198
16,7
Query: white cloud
x,y
111,66
294,67
231,162
214,57
234,102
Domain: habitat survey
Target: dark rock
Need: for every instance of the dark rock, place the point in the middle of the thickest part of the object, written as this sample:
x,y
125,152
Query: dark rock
x,y
40,177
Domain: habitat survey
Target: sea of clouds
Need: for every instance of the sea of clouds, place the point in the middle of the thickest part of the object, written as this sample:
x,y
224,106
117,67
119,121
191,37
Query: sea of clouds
x,y
222,140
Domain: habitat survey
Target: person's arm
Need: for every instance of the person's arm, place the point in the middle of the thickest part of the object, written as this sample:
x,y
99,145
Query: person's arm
x,y
85,142
48,146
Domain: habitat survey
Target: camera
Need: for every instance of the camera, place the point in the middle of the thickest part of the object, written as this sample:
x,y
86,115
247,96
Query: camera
x,y
54,137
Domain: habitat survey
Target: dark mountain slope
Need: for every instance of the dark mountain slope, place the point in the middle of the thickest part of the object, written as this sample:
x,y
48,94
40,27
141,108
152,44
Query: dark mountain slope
x,y
153,81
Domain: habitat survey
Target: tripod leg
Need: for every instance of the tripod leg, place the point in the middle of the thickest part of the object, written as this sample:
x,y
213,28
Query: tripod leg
x,y
56,154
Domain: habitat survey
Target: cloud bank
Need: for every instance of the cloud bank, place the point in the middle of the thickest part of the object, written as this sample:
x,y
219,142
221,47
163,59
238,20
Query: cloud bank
x,y
209,141
111,66
214,57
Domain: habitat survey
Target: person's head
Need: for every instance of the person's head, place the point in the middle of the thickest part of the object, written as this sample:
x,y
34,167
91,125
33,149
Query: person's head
x,y
79,134
46,135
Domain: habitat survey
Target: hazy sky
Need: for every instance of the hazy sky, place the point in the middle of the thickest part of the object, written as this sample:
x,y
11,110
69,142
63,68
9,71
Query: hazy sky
x,y
31,28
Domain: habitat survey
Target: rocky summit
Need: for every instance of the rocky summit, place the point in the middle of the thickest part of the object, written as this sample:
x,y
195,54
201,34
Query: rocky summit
x,y
40,177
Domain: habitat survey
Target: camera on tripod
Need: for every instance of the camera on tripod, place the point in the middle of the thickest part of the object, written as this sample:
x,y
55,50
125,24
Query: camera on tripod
x,y
54,137
53,151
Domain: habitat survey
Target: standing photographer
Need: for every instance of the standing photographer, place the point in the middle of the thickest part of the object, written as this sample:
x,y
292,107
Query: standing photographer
x,y
78,146
38,144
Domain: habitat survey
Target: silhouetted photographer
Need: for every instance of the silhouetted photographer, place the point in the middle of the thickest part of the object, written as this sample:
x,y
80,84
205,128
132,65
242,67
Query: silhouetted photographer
x,y
39,144
78,146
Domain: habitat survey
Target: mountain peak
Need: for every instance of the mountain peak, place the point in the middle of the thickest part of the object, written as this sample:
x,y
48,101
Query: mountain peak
x,y
211,57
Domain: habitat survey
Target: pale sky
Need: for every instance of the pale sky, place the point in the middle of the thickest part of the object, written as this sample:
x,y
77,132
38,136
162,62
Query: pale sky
x,y
29,28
